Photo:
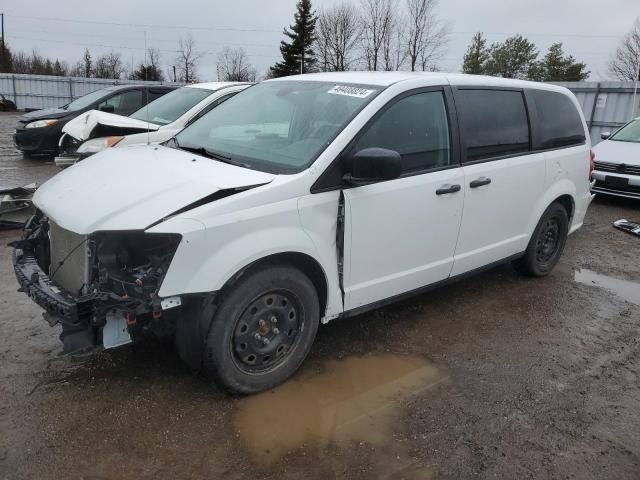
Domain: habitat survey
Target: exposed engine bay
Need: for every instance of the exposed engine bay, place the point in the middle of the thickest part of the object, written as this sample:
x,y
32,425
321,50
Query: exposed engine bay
x,y
103,287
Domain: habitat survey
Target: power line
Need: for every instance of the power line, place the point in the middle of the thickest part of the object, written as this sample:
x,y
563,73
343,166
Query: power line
x,y
263,30
146,25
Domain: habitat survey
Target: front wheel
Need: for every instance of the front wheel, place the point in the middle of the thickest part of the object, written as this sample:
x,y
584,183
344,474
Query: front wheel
x,y
262,330
546,244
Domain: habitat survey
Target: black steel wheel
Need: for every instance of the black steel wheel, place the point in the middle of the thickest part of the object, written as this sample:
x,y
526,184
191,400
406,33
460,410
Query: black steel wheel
x,y
546,244
267,331
262,330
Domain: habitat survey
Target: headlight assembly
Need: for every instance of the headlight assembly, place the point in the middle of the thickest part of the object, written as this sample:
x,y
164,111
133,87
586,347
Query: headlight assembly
x,y
96,145
41,123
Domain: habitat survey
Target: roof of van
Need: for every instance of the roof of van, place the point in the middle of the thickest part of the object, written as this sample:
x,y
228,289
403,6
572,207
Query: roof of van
x,y
384,79
216,85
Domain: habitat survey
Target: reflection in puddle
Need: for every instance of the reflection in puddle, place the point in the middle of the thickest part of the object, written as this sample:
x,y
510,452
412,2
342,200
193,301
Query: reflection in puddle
x,y
354,400
630,291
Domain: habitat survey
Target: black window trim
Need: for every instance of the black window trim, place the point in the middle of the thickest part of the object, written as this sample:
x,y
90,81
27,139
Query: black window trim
x,y
454,139
530,122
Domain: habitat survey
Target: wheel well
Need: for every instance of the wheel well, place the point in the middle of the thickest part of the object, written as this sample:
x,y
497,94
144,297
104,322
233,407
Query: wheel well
x,y
567,202
307,265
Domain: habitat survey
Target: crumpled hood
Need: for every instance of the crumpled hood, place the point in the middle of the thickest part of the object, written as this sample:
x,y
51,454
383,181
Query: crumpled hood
x,y
132,187
81,127
618,152
43,114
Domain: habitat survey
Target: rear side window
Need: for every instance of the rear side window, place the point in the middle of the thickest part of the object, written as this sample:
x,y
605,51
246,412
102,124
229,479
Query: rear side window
x,y
416,127
559,123
495,123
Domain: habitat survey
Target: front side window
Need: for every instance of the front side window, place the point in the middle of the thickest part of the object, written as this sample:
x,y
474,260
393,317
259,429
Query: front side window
x,y
278,126
629,133
416,127
495,123
559,123
124,103
170,107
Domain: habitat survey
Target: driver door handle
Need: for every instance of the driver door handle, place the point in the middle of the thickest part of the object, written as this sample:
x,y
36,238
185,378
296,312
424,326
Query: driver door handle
x,y
479,182
444,189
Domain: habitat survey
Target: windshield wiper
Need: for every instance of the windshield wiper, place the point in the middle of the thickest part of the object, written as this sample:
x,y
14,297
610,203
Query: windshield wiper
x,y
210,154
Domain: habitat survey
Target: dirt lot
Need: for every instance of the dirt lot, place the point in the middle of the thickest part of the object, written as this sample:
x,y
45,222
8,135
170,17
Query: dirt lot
x,y
497,376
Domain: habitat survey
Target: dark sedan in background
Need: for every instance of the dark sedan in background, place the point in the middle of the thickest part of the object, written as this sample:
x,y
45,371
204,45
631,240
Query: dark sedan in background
x,y
38,132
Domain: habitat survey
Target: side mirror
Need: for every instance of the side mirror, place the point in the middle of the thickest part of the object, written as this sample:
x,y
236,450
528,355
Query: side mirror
x,y
107,108
605,135
374,165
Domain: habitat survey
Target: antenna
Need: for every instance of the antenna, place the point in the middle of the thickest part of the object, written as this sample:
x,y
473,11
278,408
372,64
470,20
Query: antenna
x,y
146,90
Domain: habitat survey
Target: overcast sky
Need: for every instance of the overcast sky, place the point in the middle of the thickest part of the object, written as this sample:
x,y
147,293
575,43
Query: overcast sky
x,y
589,29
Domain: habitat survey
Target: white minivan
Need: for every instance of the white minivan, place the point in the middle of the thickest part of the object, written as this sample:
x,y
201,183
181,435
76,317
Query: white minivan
x,y
302,200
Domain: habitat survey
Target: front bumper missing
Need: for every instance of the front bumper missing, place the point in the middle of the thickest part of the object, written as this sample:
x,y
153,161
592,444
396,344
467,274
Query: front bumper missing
x,y
59,305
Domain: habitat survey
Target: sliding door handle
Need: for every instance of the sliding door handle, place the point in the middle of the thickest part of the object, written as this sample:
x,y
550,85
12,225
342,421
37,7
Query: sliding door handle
x,y
443,190
479,182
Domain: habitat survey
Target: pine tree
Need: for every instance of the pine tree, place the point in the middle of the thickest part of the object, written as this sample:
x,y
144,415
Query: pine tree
x,y
6,59
477,55
556,67
297,54
513,58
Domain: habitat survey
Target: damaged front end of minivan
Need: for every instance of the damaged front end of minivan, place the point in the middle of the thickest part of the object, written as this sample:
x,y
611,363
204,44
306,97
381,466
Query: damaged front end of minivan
x,y
102,288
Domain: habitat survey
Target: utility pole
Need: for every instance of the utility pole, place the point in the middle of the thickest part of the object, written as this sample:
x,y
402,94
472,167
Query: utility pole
x,y
635,91
174,74
2,21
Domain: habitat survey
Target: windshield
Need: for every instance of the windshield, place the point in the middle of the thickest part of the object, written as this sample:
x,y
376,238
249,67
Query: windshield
x,y
279,127
84,102
629,133
170,107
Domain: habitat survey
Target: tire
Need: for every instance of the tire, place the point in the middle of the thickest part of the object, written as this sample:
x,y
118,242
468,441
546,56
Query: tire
x,y
546,244
262,330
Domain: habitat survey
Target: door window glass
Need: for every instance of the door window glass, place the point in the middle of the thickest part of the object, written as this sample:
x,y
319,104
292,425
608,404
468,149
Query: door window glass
x,y
124,103
416,127
494,122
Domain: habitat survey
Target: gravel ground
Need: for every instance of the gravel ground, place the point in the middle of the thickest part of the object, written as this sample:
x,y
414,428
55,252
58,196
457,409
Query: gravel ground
x,y
496,376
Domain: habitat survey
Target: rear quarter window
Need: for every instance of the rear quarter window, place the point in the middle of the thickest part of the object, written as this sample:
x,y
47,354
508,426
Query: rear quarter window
x,y
559,123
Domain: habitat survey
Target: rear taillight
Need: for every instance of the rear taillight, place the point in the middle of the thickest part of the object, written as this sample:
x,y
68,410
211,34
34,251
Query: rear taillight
x,y
592,163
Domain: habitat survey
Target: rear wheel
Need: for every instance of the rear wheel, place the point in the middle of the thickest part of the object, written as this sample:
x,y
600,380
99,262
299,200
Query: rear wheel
x,y
546,244
263,330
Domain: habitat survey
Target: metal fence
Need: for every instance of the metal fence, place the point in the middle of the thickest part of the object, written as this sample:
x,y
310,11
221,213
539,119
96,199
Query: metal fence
x,y
606,105
34,92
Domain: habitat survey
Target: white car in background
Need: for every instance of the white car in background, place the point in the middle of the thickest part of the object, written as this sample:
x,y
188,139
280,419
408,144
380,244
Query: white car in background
x,y
157,122
617,162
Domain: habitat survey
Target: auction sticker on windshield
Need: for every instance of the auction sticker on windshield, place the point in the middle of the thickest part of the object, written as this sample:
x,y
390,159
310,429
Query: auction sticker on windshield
x,y
351,91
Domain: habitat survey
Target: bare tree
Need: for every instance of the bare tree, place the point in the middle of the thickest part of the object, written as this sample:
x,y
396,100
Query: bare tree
x,y
377,26
187,59
394,52
426,33
625,63
234,66
109,65
337,32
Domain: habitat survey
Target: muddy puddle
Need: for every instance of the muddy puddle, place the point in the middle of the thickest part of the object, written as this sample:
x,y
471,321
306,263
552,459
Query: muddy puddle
x,y
629,291
352,403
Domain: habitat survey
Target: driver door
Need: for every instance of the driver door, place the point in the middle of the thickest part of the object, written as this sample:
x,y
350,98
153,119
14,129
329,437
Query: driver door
x,y
401,234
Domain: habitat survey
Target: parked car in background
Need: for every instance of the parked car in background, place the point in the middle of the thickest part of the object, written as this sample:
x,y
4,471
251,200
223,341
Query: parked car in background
x,y
302,200
161,119
38,132
617,162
